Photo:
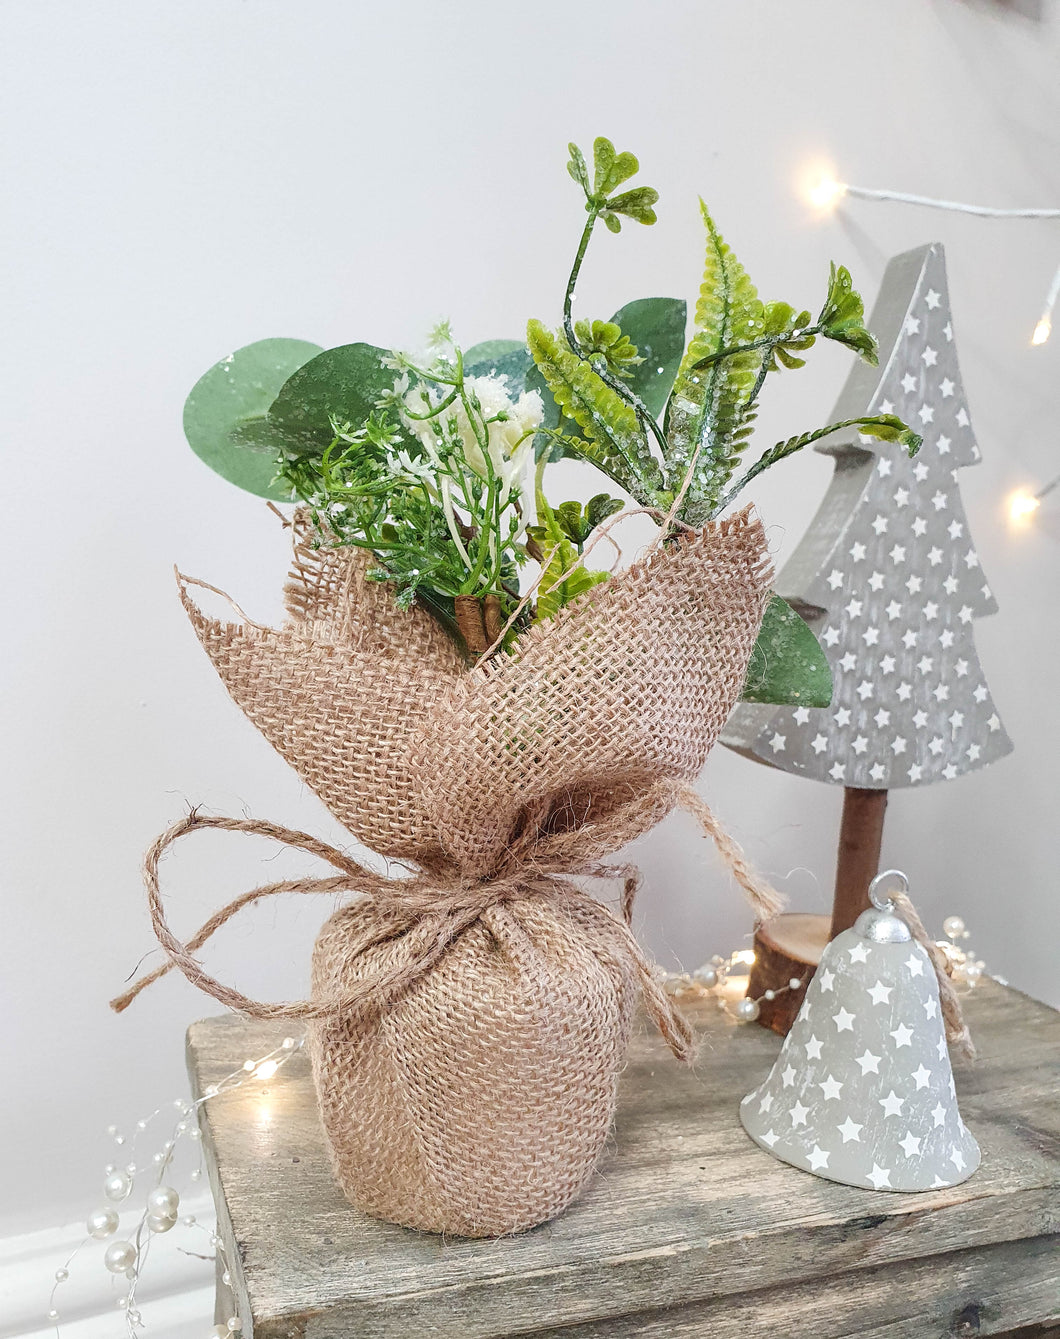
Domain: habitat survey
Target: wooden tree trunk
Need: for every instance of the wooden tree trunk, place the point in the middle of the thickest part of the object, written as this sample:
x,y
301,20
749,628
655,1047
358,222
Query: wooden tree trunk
x,y
860,839
790,946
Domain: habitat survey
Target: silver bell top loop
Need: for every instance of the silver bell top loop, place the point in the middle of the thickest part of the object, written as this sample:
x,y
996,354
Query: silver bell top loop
x,y
880,923
876,894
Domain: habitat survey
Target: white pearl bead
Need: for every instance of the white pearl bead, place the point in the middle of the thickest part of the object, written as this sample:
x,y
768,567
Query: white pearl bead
x,y
195,1133
61,1275
120,1256
289,1043
141,1125
747,1010
158,1223
189,1221
112,1130
706,976
226,1278
118,1186
110,1169
196,1175
235,1324
53,1314
135,1318
163,1201
102,1223
953,927
794,983
972,972
122,1303
218,1332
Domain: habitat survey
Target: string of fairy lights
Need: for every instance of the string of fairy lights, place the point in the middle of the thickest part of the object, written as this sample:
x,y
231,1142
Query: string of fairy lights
x,y
725,979
124,1258
826,193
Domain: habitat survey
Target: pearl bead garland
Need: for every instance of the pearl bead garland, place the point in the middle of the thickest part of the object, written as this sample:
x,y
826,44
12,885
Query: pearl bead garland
x,y
717,975
714,975
161,1211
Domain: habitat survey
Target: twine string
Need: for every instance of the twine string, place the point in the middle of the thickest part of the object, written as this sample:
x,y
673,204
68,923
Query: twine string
x,y
433,908
952,1015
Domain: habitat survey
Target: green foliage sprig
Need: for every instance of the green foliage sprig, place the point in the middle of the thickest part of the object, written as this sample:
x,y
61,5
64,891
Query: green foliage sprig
x,y
708,416
426,464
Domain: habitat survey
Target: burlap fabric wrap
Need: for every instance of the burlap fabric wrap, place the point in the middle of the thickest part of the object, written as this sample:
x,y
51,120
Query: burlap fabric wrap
x,y
468,1023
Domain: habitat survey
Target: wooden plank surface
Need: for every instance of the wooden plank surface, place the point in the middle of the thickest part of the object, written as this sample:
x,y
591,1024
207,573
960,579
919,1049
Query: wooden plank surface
x,y
685,1212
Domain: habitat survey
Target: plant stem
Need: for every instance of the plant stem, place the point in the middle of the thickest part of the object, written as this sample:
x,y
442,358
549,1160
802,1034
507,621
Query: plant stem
x,y
762,342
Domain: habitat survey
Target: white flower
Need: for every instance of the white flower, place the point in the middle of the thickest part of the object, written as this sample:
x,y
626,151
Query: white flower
x,y
401,463
511,441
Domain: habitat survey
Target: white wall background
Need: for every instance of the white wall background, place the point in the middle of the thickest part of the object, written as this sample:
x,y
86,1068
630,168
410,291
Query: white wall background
x,y
181,179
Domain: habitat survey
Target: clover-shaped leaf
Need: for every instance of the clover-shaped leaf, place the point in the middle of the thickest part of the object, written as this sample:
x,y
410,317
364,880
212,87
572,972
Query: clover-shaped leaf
x,y
611,168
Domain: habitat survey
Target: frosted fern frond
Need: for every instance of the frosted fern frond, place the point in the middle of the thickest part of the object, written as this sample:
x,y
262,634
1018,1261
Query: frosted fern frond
x,y
614,439
711,404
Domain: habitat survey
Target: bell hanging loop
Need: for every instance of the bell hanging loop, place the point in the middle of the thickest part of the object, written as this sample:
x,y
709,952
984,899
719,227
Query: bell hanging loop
x,y
876,894
881,923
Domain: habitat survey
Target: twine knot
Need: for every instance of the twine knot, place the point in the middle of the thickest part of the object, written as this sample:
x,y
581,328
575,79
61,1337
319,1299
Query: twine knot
x,y
434,905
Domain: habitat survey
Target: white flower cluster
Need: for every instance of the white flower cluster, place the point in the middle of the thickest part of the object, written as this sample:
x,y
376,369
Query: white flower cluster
x,y
510,438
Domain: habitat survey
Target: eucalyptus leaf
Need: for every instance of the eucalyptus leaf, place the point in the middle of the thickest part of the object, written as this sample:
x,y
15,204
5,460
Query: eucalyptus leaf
x,y
657,327
787,665
225,414
492,349
502,358
342,383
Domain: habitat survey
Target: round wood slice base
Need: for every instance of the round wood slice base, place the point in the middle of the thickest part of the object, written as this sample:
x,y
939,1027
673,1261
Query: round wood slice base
x,y
787,946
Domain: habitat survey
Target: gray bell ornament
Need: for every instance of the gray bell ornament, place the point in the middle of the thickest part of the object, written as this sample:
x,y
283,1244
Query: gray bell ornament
x,y
862,1091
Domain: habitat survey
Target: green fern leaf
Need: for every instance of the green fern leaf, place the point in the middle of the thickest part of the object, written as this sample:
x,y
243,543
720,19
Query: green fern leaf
x,y
885,427
710,405
616,442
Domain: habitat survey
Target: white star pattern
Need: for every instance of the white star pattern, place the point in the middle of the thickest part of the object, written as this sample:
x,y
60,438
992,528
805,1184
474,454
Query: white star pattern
x,y
915,965
850,1131
817,1158
770,1138
831,1087
827,979
880,993
870,1064
798,1114
892,1104
910,1144
902,1035
859,953
813,1049
921,1077
879,1176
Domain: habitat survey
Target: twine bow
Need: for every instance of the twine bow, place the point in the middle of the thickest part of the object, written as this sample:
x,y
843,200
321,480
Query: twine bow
x,y
434,906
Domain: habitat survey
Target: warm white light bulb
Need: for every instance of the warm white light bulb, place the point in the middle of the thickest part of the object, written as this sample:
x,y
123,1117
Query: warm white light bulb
x,y
266,1069
826,193
1022,506
1042,331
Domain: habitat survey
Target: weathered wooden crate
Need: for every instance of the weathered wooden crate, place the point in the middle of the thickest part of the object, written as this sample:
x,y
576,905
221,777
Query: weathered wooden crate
x,y
688,1229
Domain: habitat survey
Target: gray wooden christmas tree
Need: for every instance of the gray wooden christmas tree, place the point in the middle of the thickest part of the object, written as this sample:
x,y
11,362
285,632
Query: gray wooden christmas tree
x,y
888,577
